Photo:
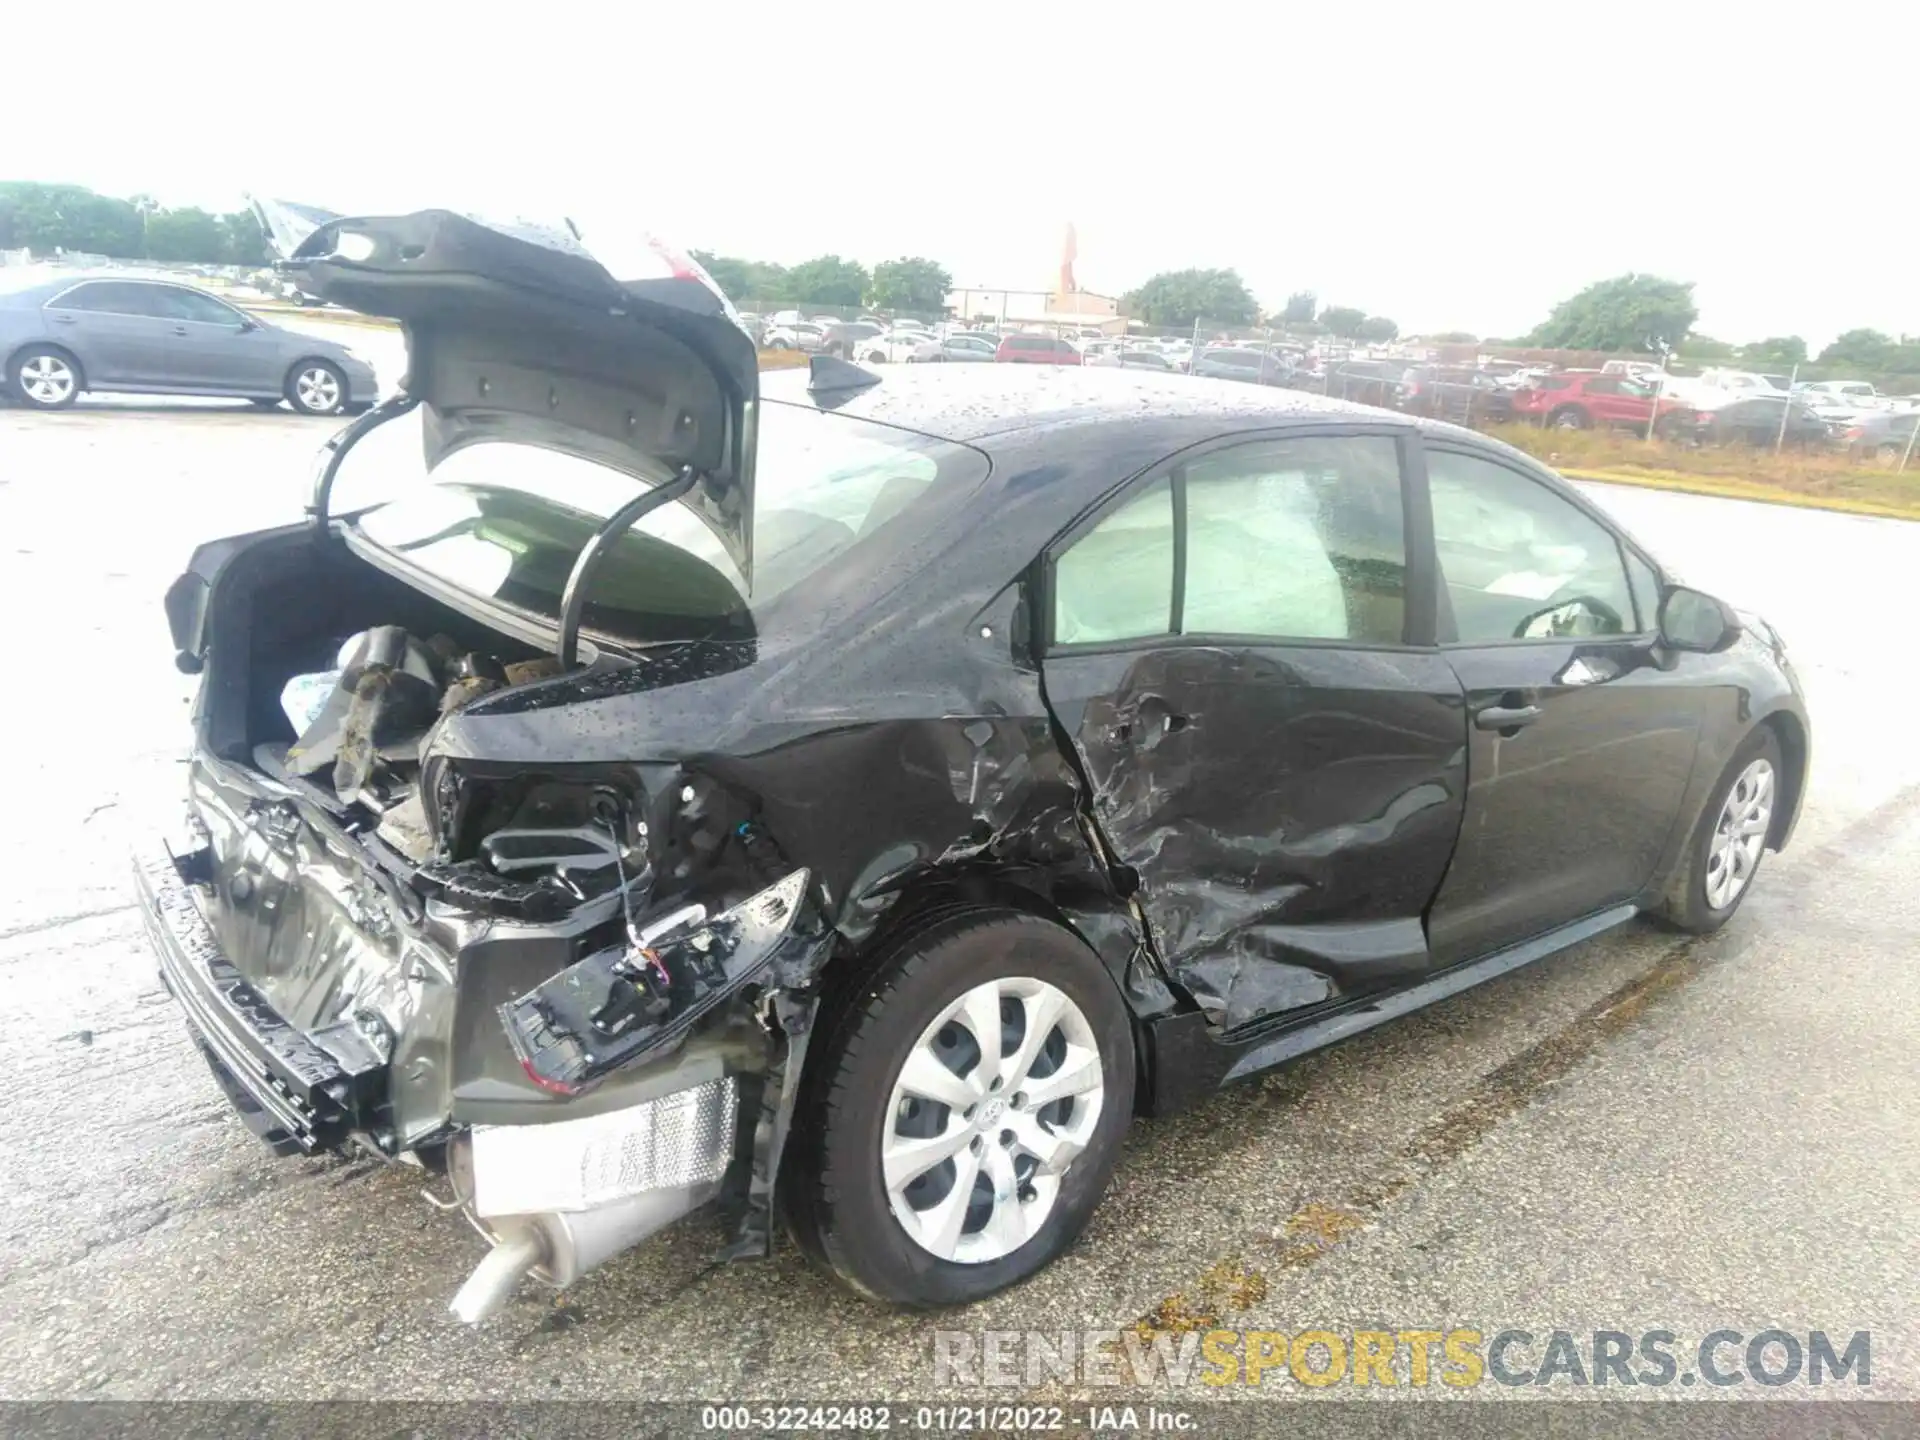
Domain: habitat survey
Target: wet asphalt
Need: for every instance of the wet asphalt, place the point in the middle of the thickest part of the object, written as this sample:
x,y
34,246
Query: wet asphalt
x,y
1644,1133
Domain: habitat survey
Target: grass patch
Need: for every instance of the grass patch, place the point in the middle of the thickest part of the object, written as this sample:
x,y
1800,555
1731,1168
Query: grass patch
x,y
1817,479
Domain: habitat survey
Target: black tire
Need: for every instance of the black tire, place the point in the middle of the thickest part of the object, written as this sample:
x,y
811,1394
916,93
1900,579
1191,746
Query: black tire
x,y
835,1198
37,356
1568,417
301,398
1685,906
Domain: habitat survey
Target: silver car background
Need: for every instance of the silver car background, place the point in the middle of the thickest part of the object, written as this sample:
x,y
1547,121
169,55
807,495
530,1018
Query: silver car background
x,y
70,333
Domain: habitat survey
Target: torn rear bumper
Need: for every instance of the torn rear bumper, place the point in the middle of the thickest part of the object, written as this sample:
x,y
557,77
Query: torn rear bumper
x,y
291,1093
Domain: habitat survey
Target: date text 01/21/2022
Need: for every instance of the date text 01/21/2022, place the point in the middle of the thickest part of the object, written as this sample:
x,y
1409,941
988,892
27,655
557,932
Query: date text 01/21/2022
x,y
955,1419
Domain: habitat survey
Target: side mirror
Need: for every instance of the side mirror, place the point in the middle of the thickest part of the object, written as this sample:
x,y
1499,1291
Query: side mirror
x,y
1690,620
247,322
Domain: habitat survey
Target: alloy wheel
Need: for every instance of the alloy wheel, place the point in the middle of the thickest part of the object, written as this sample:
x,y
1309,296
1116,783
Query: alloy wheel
x,y
316,390
1739,836
47,379
995,1100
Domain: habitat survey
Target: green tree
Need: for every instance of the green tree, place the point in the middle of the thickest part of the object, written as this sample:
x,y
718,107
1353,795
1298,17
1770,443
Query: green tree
x,y
45,218
827,280
1705,347
1867,349
1343,320
1776,352
187,235
744,280
1378,330
1628,312
1178,298
1455,337
910,283
1300,308
243,242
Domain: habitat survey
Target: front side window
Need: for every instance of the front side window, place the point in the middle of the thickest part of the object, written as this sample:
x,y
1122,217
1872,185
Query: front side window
x,y
178,304
1295,539
1520,562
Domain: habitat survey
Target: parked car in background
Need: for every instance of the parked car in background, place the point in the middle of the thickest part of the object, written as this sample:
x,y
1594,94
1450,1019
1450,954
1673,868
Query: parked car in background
x,y
1370,382
1884,435
893,346
68,334
1643,370
1136,357
1589,400
847,337
1457,393
1036,350
1256,366
1861,393
1758,420
802,335
960,346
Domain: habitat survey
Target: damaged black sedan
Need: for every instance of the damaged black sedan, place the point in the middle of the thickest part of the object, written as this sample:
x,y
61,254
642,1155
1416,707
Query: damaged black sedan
x,y
849,802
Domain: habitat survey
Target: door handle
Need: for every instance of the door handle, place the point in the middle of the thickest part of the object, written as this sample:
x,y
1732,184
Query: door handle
x,y
1506,718
179,329
63,319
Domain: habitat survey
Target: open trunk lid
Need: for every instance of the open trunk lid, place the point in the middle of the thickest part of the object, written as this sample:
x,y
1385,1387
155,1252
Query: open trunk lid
x,y
627,355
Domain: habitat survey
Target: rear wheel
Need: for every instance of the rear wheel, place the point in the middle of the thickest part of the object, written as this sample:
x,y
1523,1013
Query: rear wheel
x,y
1729,839
966,1111
45,377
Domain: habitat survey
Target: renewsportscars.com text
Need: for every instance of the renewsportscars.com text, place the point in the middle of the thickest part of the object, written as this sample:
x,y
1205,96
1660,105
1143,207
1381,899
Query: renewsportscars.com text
x,y
1457,1357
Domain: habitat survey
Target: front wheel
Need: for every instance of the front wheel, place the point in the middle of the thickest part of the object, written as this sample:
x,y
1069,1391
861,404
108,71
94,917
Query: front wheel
x,y
316,387
1568,419
1729,839
967,1111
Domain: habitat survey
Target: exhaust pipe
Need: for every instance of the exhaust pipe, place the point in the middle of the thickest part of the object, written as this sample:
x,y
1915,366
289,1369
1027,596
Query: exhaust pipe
x,y
496,1277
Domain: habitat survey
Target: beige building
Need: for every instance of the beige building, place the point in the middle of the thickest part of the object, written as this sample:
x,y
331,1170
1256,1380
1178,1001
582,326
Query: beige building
x,y
1064,306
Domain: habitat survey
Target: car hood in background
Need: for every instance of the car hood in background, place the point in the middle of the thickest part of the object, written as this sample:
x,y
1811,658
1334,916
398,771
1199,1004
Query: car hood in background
x,y
626,355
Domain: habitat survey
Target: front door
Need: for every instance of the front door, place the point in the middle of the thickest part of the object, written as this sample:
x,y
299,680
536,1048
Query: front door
x,y
212,347
1274,758
1580,744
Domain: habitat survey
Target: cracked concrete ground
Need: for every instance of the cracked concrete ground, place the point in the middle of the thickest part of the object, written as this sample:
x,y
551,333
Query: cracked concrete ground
x,y
1642,1133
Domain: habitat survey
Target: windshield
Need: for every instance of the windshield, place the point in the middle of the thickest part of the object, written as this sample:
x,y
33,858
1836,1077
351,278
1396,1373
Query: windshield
x,y
506,520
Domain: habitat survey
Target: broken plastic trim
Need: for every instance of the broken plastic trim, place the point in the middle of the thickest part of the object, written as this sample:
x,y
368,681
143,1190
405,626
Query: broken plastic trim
x,y
614,1007
327,463
830,375
573,600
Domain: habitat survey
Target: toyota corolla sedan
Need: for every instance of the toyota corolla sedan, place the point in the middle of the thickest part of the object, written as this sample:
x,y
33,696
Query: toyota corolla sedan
x,y
70,334
850,801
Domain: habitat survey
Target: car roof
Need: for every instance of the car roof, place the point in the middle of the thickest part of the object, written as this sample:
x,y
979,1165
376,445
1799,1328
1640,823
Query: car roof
x,y
969,404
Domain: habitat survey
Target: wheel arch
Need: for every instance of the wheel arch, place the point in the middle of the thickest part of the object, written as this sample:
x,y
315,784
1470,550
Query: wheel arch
x,y
1795,754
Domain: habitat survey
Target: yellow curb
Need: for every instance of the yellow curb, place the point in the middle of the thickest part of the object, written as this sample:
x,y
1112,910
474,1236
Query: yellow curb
x,y
1725,487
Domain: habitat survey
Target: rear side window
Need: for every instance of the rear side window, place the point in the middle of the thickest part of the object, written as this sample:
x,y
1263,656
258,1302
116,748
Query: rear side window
x,y
1116,581
1297,539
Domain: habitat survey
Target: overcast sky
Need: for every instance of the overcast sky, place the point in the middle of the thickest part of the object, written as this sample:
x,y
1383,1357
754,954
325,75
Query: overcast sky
x,y
1453,166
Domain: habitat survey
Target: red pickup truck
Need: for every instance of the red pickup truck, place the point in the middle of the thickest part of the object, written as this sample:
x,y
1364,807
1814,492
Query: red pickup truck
x,y
1581,402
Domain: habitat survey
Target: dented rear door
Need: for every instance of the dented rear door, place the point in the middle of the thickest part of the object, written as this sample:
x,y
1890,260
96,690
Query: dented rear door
x,y
1239,647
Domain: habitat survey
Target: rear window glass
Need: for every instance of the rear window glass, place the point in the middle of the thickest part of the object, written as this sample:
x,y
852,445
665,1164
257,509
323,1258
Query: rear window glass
x,y
506,521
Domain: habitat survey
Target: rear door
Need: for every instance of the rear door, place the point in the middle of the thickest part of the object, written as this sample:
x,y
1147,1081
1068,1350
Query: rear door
x,y
114,330
1580,744
1239,645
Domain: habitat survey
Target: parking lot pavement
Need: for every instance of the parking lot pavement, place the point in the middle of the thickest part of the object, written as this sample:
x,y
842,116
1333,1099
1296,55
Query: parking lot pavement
x,y
1643,1133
